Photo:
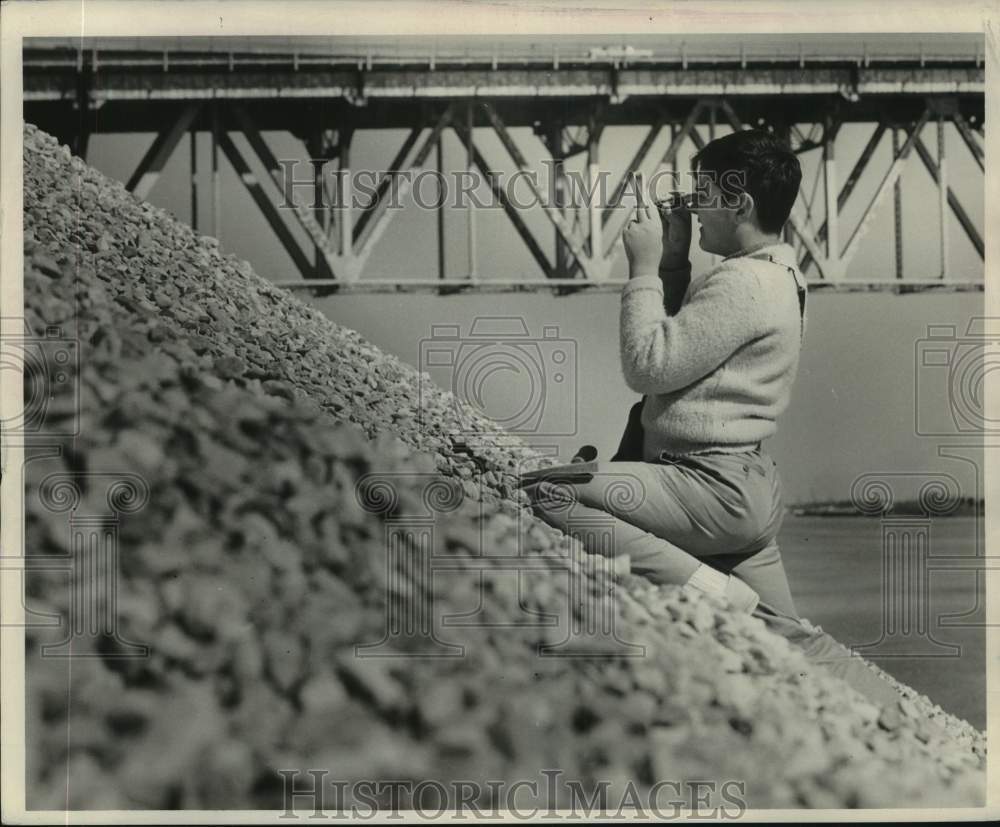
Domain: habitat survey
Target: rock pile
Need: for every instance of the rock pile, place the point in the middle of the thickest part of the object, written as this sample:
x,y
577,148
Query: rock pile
x,y
275,461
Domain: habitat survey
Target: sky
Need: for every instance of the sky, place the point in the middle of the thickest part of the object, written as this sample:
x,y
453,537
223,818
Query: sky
x,y
860,394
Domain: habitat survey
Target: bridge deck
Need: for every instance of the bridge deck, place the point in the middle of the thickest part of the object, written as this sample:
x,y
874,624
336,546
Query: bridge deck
x,y
324,89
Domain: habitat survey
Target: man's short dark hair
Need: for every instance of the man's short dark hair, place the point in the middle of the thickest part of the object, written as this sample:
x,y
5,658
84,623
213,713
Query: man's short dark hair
x,y
764,167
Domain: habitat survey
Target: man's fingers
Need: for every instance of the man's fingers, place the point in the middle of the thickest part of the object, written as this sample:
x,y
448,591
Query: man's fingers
x,y
640,193
642,215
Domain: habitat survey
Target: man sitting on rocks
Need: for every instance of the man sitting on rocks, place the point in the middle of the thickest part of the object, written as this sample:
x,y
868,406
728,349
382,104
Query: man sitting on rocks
x,y
716,372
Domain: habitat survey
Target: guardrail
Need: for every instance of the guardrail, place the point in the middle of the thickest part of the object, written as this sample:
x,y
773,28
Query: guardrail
x,y
57,58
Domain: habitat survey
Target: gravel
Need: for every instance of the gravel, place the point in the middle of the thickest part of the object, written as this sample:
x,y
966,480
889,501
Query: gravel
x,y
254,569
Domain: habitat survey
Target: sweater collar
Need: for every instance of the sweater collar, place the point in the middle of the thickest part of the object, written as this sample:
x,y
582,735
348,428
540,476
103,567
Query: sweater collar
x,y
780,250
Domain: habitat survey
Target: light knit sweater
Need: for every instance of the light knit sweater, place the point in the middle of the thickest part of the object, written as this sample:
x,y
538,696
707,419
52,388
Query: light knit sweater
x,y
718,373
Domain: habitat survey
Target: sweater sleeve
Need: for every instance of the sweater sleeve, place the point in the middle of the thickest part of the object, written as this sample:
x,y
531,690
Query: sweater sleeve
x,y
662,354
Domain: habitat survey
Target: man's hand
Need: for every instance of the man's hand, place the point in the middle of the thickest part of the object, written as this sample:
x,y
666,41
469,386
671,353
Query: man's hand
x,y
676,238
643,239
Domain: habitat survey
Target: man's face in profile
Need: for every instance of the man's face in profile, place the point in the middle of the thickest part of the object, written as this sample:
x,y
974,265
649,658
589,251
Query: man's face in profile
x,y
716,222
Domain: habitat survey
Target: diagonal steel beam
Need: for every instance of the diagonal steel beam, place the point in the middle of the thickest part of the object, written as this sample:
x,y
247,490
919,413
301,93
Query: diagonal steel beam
x,y
953,202
845,192
263,152
363,227
256,140
895,170
500,193
554,213
303,214
670,153
730,113
381,219
970,140
147,173
669,156
275,218
633,166
696,138
803,229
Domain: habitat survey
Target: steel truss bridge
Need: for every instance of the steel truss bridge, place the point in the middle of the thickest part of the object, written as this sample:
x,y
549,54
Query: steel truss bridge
x,y
325,97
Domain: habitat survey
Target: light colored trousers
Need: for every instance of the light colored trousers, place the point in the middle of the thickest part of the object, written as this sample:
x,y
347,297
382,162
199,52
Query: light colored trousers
x,y
723,509
720,508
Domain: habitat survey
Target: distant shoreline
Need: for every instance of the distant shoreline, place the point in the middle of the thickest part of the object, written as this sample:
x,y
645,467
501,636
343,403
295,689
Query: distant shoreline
x,y
967,507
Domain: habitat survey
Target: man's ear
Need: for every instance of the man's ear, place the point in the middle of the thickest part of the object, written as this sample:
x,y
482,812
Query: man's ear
x,y
744,208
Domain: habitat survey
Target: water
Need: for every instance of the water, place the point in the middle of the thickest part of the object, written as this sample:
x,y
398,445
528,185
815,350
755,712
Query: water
x,y
835,566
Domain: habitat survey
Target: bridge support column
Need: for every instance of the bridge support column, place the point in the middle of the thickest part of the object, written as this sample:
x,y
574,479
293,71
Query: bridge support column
x,y
558,189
